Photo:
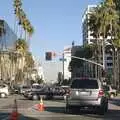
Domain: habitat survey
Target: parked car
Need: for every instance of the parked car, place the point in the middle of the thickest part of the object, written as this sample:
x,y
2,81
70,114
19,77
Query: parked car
x,y
66,91
36,92
87,93
4,90
24,88
16,89
58,91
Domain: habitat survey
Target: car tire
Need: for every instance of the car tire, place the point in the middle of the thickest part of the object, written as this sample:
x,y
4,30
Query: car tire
x,y
106,107
35,97
101,110
3,95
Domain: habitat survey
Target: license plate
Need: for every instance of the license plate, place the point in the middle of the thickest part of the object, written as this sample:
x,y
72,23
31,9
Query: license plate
x,y
84,93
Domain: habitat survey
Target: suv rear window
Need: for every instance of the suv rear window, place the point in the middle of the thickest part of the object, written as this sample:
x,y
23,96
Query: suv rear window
x,y
36,87
25,87
88,84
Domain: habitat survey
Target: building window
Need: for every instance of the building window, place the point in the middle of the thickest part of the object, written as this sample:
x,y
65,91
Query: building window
x,y
109,58
109,64
92,40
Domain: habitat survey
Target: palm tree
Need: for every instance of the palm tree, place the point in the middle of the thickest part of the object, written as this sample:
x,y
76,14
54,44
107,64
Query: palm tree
x,y
29,65
23,21
13,64
105,22
116,51
29,60
94,26
21,48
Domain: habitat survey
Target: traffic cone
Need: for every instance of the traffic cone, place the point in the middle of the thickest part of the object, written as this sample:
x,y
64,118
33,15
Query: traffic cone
x,y
14,114
41,105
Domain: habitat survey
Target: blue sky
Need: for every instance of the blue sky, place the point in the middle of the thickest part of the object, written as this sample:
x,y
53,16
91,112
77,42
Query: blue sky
x,y
57,22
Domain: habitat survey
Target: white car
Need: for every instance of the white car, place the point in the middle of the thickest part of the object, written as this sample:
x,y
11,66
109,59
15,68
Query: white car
x,y
4,92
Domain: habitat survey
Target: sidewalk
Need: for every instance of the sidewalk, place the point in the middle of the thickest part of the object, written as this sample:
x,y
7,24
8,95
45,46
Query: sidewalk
x,y
115,102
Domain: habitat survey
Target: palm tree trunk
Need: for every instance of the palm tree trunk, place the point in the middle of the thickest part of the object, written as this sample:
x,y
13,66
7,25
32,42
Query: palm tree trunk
x,y
115,67
118,69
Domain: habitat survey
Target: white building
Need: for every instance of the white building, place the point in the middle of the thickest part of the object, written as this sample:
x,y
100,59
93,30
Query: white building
x,y
87,37
67,59
51,69
39,69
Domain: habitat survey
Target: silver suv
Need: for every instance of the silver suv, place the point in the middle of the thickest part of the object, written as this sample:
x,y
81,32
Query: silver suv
x,y
85,93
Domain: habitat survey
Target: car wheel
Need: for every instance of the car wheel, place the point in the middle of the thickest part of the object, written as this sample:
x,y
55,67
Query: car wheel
x,y
35,97
106,107
3,95
101,110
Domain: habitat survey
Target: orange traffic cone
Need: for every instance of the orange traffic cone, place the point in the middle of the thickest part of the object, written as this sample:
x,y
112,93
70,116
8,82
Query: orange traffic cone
x,y
14,114
41,105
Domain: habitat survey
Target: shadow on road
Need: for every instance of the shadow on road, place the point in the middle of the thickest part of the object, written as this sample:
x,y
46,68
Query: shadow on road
x,y
63,110
6,116
110,115
55,109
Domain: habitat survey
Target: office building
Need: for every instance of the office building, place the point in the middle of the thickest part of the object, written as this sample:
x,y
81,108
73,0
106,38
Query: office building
x,y
7,36
67,60
88,38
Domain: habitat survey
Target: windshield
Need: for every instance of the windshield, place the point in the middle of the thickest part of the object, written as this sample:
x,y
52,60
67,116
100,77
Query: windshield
x,y
87,84
25,87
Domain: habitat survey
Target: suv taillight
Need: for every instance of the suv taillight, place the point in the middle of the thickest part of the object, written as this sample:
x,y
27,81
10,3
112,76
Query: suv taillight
x,y
101,93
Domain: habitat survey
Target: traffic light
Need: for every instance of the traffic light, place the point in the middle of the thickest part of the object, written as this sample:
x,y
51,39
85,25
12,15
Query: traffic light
x,y
48,55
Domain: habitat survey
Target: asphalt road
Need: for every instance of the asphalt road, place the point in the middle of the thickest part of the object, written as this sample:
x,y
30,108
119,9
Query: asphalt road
x,y
54,110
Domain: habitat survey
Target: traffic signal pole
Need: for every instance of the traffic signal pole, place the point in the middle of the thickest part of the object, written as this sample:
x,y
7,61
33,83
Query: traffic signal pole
x,y
84,59
93,62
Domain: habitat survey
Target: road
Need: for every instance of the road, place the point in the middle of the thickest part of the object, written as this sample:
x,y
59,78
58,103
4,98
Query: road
x,y
54,110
